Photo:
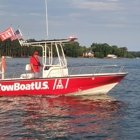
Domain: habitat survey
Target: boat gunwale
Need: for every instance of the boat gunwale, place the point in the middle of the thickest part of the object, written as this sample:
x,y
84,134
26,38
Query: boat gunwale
x,y
68,76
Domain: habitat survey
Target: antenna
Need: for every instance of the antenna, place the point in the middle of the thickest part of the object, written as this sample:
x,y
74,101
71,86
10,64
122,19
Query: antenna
x,y
46,7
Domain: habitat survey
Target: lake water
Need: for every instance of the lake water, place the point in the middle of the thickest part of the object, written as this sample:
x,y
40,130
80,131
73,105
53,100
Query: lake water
x,y
115,116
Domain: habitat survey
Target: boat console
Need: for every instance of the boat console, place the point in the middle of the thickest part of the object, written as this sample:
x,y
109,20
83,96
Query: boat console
x,y
50,67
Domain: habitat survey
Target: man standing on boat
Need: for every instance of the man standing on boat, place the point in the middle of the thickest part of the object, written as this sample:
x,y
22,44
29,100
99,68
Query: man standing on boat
x,y
35,64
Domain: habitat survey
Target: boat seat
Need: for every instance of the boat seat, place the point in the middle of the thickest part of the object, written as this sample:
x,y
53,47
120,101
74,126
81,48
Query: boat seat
x,y
28,67
27,75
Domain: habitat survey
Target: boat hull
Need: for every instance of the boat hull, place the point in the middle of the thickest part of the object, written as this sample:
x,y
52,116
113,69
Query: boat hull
x,y
71,85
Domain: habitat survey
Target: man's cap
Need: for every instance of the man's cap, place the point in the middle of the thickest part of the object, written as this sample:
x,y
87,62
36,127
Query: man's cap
x,y
35,52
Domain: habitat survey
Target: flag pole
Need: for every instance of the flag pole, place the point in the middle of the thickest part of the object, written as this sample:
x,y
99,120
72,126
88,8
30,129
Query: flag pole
x,y
46,7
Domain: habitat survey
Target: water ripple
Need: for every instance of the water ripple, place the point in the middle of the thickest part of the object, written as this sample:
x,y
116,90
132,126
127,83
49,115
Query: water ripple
x,y
42,118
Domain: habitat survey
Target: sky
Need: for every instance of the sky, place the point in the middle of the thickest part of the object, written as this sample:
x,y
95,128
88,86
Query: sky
x,y
115,22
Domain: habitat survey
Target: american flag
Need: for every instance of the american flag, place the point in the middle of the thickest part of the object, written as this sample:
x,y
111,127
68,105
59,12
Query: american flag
x,y
17,35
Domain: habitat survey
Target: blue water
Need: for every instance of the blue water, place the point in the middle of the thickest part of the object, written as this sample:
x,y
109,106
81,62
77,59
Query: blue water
x,y
115,116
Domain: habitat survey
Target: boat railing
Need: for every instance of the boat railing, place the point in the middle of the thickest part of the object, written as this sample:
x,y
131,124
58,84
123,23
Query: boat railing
x,y
72,71
90,70
96,69
14,75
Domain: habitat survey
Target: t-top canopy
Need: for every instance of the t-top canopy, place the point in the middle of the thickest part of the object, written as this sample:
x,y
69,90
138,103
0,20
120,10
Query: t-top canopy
x,y
48,42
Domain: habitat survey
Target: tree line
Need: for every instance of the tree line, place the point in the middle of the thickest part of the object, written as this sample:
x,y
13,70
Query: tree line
x,y
14,49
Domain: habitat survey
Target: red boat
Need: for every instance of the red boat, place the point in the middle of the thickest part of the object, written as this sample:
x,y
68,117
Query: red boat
x,y
56,78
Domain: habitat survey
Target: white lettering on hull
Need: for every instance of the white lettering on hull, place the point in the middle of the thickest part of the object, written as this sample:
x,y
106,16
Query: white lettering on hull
x,y
58,84
18,86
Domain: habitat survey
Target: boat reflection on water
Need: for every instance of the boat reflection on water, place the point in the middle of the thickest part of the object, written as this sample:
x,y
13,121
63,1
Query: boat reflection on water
x,y
62,117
